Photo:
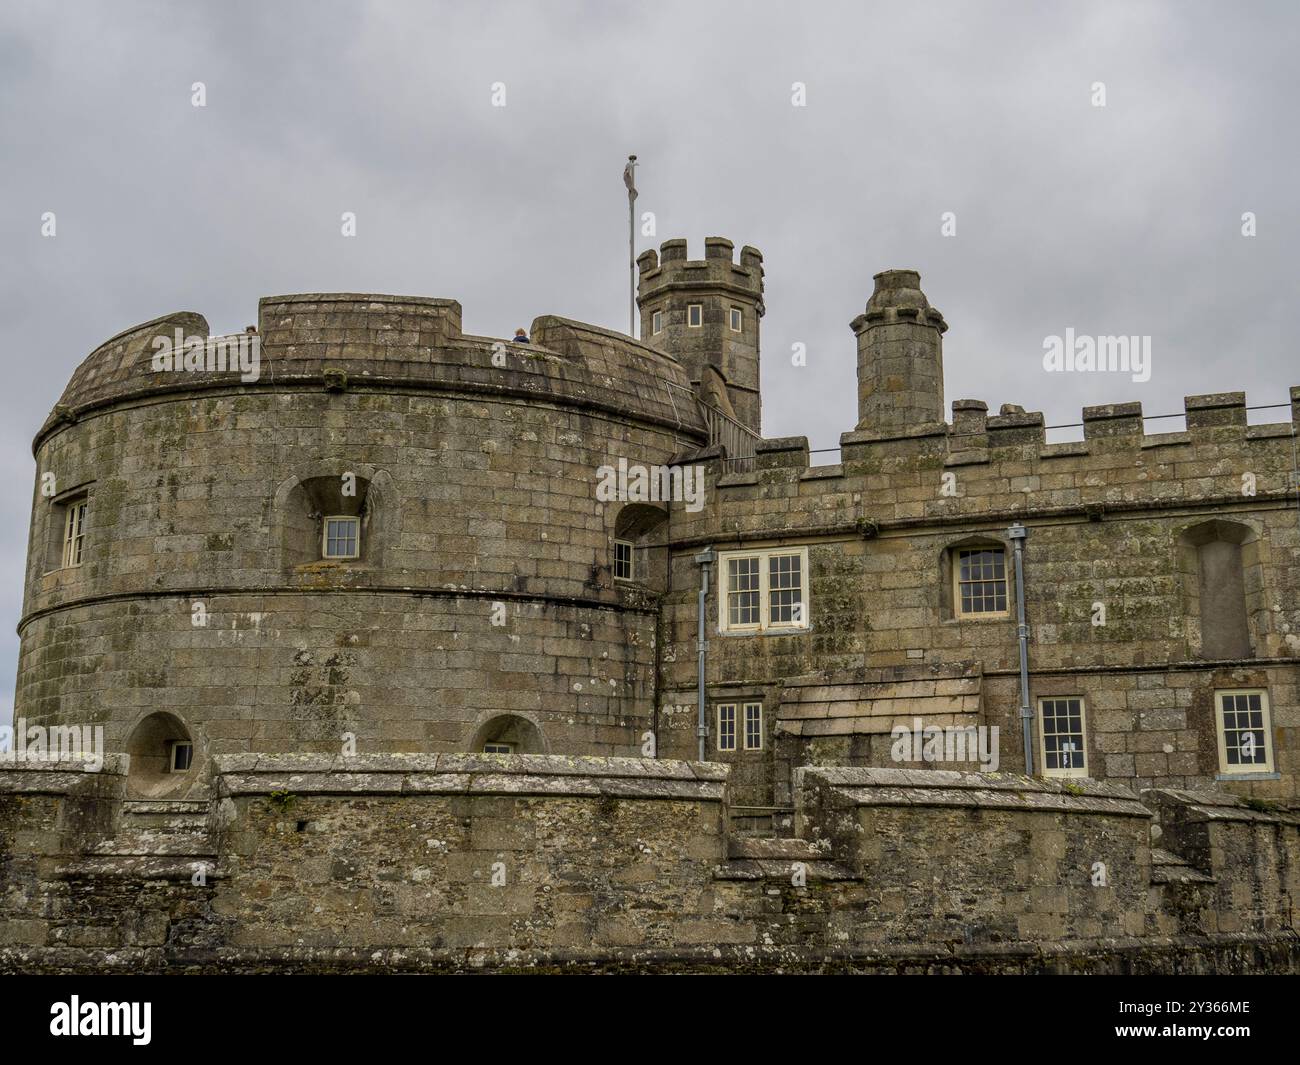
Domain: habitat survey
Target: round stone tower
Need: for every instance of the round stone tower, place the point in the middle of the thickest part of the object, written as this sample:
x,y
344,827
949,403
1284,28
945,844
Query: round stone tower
x,y
706,312
900,356
355,529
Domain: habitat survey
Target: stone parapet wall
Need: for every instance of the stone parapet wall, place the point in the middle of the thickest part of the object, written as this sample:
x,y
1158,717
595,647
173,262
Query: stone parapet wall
x,y
899,485
1250,848
972,858
50,812
392,342
437,862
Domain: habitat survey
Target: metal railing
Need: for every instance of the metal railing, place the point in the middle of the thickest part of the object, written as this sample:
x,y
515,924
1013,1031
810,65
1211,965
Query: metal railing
x,y
739,442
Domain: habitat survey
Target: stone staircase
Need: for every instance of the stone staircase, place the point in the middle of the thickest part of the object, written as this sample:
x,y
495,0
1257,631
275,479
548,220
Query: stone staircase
x,y
776,859
173,832
121,890
1168,868
762,846
767,821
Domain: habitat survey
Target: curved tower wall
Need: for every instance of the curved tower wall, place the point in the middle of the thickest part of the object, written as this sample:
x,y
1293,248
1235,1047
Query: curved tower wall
x,y
484,587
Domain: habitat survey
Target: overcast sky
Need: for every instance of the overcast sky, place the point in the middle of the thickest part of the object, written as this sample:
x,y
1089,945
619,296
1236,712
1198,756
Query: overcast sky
x,y
1122,219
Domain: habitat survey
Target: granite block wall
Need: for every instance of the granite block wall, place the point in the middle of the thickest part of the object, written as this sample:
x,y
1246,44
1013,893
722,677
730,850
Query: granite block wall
x,y
1113,599
542,862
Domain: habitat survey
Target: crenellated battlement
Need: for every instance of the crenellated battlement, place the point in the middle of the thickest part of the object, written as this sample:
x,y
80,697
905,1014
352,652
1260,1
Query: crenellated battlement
x,y
342,341
706,312
995,467
672,267
1215,418
974,436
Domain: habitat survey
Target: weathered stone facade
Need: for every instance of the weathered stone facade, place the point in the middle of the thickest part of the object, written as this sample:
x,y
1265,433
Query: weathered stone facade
x,y
460,862
483,587
498,600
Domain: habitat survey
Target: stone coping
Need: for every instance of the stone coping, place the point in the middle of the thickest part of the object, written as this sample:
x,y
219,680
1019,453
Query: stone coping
x,y
631,344
111,763
580,365
469,774
1224,806
56,777
867,786
357,298
885,674
1111,955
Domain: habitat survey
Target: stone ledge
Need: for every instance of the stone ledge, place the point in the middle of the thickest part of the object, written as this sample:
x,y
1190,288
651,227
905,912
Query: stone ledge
x,y
1271,431
111,763
360,298
863,435
971,456
1222,806
1168,868
884,675
943,787
1174,439
58,777
1066,449
820,473
775,444
624,603
135,868
1214,401
781,870
1277,952
470,774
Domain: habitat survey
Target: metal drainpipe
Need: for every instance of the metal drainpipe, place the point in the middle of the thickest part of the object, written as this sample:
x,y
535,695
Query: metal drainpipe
x,y
704,559
1017,534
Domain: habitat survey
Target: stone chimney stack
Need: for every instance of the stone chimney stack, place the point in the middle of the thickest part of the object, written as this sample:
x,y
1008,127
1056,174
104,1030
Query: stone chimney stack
x,y
900,356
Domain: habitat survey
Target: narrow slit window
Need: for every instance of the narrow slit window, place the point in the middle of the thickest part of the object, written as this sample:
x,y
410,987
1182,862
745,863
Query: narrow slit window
x,y
737,320
726,726
623,551
74,533
1065,752
742,592
657,322
695,315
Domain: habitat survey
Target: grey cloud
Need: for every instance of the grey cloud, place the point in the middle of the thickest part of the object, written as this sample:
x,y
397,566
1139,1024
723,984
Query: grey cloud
x,y
1116,220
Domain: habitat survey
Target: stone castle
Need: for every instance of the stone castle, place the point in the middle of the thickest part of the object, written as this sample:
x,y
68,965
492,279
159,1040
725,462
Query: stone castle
x,y
388,681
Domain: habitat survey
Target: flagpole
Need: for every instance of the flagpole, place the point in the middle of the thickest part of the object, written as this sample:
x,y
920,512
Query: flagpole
x,y
630,181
